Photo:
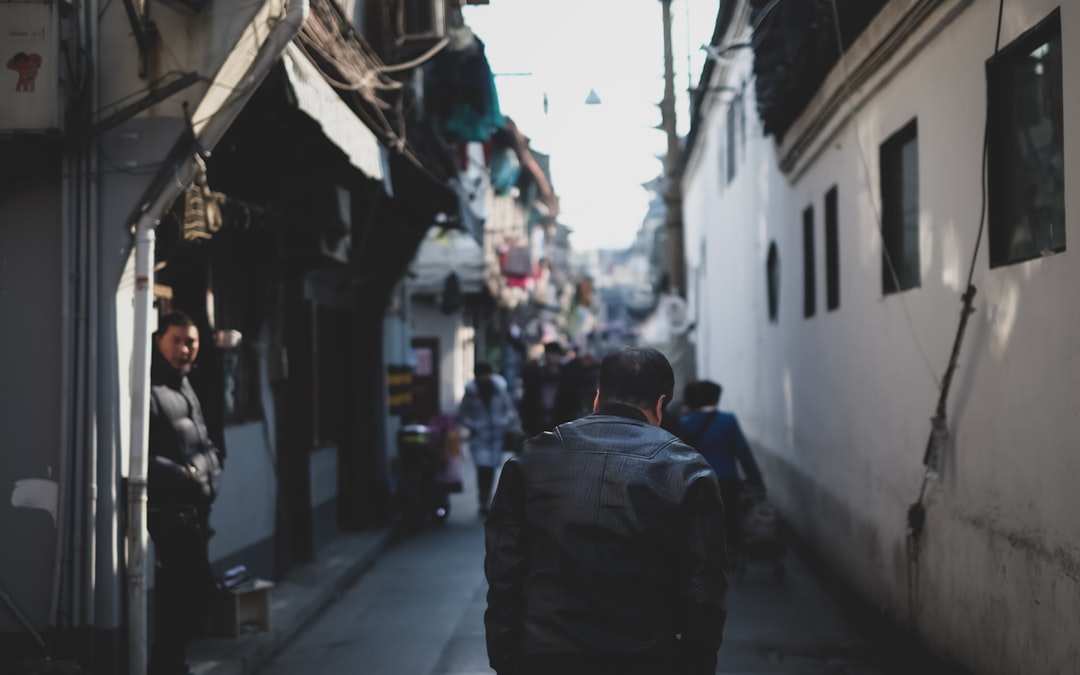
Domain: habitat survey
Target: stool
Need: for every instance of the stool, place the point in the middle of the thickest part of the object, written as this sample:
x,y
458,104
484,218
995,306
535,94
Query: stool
x,y
247,605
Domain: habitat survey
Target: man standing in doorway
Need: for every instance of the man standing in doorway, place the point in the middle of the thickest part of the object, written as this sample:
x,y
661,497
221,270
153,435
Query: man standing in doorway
x,y
605,541
185,471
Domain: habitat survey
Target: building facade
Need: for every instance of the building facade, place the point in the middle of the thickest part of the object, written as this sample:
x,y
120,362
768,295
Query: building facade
x,y
891,331
198,156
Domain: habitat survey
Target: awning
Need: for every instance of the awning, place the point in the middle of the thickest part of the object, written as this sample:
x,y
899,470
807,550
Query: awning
x,y
340,124
443,252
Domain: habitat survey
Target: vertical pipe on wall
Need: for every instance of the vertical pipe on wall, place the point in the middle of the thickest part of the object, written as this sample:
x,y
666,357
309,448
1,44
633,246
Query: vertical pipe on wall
x,y
140,404
106,566
90,568
81,366
67,328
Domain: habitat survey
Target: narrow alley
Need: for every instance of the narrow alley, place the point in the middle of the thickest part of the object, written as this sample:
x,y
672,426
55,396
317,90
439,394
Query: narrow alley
x,y
419,611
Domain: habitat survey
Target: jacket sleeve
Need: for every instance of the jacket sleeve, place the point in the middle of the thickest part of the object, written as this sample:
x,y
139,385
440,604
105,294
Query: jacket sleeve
x,y
703,582
505,566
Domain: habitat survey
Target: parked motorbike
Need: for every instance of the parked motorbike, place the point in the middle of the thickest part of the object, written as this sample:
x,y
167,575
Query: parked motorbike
x,y
423,494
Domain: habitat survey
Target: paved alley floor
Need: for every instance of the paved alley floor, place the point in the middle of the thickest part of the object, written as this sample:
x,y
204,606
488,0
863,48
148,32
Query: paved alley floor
x,y
419,611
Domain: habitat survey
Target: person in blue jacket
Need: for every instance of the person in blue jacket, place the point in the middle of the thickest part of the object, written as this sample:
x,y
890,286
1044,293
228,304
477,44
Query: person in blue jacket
x,y
720,440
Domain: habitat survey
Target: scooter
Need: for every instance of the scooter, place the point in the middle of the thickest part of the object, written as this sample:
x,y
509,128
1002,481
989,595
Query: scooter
x,y
424,496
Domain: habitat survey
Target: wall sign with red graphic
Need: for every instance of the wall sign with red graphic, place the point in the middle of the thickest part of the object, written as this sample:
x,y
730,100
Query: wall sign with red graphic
x,y
30,74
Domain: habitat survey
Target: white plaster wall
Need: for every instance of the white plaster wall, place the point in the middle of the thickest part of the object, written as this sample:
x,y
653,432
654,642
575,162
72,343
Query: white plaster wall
x,y
838,405
244,510
455,346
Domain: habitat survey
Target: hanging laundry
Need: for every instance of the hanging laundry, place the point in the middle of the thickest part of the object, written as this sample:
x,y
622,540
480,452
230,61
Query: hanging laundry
x,y
461,91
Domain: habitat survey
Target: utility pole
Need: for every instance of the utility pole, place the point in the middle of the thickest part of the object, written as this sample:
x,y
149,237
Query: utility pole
x,y
674,261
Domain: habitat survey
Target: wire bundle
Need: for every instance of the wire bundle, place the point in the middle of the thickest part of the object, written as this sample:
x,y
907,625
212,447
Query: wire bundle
x,y
349,63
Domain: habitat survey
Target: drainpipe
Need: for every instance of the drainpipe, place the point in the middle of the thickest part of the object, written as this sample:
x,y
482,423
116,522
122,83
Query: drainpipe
x,y
280,35
140,403
137,535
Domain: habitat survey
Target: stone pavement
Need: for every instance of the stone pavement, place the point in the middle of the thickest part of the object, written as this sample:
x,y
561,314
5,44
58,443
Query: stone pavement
x,y
374,603
296,600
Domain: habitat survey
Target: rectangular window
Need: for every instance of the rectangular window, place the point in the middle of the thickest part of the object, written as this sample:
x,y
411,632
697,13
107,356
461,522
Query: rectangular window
x,y
1026,158
731,142
900,210
742,119
832,252
809,287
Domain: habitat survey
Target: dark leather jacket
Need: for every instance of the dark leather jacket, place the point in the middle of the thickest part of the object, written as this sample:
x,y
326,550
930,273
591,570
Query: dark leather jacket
x,y
606,539
185,465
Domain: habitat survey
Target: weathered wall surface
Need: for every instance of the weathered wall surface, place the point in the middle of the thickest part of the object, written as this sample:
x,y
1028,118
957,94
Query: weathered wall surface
x,y
839,404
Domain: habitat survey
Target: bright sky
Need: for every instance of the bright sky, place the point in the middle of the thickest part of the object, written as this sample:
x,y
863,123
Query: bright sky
x,y
600,154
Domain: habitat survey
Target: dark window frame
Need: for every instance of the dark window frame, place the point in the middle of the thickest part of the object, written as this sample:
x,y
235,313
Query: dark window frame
x,y
772,282
809,264
732,149
832,250
896,257
1012,238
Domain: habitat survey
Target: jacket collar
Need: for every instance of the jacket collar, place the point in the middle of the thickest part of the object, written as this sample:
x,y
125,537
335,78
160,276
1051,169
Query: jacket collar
x,y
162,372
621,410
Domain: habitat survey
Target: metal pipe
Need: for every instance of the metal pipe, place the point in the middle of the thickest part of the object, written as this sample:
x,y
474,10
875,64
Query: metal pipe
x,y
82,365
282,33
67,328
93,364
140,404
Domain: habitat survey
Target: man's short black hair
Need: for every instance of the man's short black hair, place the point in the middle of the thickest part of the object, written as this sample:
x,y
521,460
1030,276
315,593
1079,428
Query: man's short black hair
x,y
635,376
482,368
702,393
174,318
554,347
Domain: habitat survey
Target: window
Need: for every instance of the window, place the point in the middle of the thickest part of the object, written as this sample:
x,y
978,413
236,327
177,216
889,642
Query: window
x,y
731,121
772,280
809,287
742,119
1025,169
832,252
900,210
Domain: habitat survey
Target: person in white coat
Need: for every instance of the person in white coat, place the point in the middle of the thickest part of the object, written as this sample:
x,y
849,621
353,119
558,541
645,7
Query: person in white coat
x,y
487,411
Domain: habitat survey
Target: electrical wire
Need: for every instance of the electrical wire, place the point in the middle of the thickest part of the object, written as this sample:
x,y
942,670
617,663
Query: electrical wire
x,y
418,61
916,512
986,147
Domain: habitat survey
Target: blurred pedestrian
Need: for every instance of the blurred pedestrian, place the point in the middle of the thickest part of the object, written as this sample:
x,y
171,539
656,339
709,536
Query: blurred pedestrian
x,y
720,440
487,411
543,398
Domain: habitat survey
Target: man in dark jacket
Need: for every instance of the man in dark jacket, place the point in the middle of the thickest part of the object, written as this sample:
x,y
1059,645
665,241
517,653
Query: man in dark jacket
x,y
605,541
185,469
